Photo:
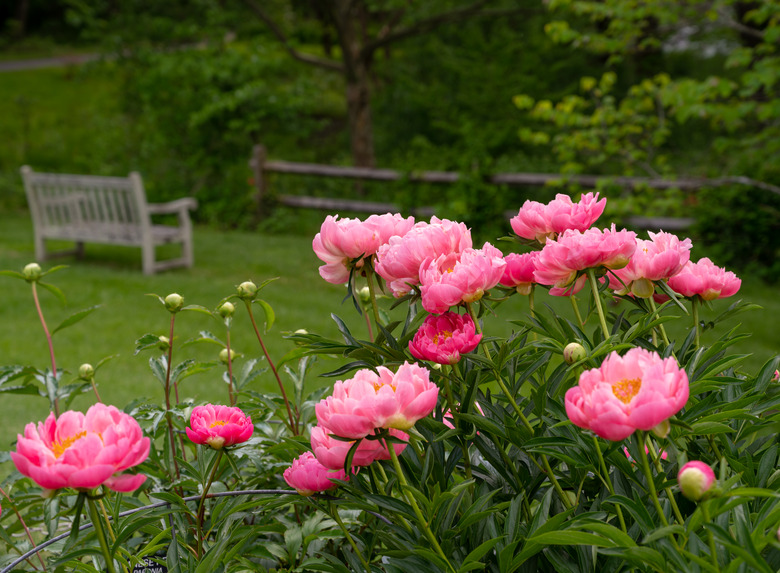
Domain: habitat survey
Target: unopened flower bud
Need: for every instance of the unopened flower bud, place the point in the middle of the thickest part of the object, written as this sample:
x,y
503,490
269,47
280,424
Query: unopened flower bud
x,y
32,272
86,372
247,290
223,355
164,343
695,479
574,352
301,331
364,295
174,302
661,430
226,309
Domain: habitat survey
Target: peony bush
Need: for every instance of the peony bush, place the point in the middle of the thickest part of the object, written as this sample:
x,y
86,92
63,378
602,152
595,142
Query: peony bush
x,y
605,436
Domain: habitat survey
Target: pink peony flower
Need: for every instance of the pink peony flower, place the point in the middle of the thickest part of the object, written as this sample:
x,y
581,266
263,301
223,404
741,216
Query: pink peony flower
x,y
543,222
398,261
706,280
663,256
637,391
695,479
83,451
219,426
455,278
519,271
308,476
370,401
339,242
332,453
442,339
573,251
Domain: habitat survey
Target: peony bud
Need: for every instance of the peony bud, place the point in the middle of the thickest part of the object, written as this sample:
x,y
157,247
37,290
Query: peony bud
x,y
32,272
574,352
86,372
661,430
695,479
247,290
364,295
164,343
226,310
223,355
174,302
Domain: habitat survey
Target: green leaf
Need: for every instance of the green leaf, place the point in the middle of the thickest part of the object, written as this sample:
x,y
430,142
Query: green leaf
x,y
55,291
75,318
572,538
270,317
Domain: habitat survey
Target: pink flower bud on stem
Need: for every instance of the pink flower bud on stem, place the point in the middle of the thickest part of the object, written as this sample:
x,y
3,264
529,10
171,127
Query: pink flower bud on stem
x,y
696,480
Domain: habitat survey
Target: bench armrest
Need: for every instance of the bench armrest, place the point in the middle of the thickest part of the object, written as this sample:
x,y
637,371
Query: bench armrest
x,y
177,206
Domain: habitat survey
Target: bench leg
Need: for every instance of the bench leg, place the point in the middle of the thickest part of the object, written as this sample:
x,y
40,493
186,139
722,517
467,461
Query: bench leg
x,y
147,254
40,248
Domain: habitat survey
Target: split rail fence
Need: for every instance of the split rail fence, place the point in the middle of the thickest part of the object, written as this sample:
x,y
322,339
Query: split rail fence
x,y
262,167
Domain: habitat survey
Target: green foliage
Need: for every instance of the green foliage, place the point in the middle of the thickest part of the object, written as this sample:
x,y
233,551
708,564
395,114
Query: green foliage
x,y
751,240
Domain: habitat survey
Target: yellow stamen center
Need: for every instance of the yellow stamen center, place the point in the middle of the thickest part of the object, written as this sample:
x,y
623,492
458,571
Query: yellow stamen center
x,y
625,390
443,335
218,423
59,447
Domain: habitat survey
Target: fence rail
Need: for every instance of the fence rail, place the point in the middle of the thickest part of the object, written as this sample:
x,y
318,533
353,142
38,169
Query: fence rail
x,y
261,167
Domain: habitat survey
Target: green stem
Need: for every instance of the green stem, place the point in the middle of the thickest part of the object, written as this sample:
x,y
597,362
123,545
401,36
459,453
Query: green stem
x,y
640,441
608,481
519,412
100,534
292,425
334,513
659,468
372,292
594,285
455,412
201,505
531,307
573,300
49,342
231,394
710,537
416,508
714,447
660,326
695,308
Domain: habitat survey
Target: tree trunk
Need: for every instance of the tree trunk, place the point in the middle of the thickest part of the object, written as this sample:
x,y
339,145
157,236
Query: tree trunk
x,y
349,18
360,127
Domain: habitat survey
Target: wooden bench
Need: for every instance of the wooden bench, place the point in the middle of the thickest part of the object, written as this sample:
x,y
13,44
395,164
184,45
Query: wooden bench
x,y
109,210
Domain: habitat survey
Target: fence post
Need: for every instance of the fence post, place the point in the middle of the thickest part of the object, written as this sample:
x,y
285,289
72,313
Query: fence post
x,y
257,163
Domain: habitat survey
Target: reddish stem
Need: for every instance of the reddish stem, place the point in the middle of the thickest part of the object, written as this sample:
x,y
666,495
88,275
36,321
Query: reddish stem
x,y
231,395
49,342
293,427
26,530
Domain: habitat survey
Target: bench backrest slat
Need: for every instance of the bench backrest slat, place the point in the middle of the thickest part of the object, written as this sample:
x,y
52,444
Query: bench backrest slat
x,y
91,202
